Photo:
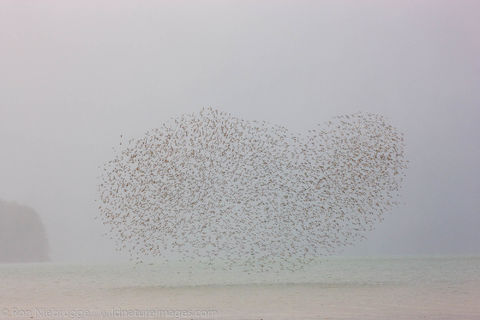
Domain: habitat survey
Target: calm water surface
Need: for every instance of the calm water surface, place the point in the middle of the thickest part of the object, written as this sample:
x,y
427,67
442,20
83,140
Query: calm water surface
x,y
330,288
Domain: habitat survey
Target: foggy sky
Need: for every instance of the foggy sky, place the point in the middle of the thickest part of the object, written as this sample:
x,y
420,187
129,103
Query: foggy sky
x,y
74,75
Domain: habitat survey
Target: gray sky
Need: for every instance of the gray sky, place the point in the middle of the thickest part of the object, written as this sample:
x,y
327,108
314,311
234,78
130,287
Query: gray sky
x,y
74,75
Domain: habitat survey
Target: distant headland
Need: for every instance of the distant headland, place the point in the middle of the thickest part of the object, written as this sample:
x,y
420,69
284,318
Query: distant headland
x,y
22,234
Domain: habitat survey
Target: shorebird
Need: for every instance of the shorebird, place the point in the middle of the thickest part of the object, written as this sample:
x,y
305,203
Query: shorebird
x,y
209,185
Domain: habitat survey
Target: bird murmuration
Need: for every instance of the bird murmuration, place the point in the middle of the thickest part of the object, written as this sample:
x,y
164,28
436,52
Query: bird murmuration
x,y
210,186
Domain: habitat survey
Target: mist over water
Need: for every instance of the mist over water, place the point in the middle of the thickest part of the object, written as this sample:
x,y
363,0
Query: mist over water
x,y
76,76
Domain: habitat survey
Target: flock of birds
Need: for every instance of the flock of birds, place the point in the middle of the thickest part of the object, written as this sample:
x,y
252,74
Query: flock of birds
x,y
209,186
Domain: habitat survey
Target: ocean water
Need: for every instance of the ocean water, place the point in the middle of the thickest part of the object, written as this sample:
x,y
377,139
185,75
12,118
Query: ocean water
x,y
442,287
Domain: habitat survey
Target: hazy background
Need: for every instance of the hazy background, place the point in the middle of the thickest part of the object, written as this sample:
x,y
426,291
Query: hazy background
x,y
74,75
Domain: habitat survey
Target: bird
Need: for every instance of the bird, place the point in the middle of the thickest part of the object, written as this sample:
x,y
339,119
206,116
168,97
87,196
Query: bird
x,y
214,187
